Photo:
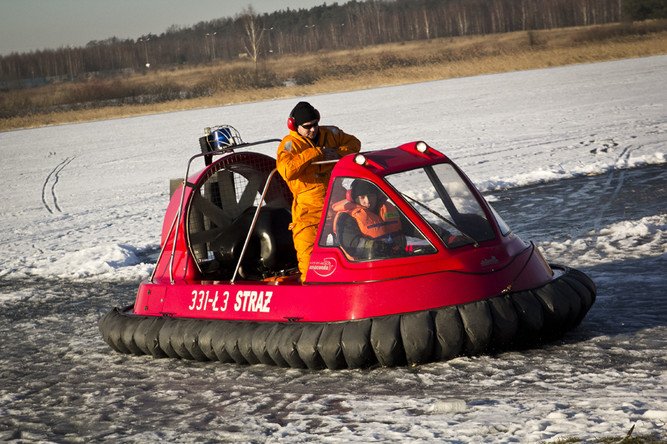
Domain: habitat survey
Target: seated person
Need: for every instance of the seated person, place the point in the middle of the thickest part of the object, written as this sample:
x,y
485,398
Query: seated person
x,y
367,225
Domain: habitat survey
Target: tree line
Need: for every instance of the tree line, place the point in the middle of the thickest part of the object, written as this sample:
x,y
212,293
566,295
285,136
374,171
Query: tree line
x,y
327,27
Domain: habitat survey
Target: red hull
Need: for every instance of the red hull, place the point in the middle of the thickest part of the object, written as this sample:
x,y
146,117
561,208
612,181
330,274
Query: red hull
x,y
276,302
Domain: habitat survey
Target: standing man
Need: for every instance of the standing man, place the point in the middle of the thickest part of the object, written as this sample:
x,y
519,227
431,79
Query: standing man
x,y
306,143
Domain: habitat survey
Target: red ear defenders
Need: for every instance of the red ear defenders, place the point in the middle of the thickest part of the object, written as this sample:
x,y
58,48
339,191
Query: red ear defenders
x,y
291,124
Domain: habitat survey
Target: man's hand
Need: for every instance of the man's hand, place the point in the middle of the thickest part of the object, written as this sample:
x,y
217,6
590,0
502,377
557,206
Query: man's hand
x,y
330,154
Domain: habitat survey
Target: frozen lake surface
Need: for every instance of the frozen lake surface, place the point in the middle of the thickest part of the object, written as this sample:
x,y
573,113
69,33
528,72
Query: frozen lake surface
x,y
573,158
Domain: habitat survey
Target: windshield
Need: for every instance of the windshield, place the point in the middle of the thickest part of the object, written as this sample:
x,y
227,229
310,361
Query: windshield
x,y
442,198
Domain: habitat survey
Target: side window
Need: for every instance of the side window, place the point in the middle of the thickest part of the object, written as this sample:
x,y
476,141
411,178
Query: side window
x,y
363,222
338,193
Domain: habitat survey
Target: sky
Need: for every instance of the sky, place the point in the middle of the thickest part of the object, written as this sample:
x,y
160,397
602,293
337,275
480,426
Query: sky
x,y
29,25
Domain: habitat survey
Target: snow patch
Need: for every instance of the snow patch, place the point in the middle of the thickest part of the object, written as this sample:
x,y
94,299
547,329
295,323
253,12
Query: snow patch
x,y
449,406
629,239
117,261
560,172
660,415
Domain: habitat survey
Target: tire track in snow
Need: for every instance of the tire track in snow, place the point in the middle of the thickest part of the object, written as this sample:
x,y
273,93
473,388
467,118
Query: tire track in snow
x,y
54,177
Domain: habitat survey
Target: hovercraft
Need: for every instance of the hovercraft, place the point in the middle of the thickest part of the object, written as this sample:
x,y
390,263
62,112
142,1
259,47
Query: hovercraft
x,y
226,285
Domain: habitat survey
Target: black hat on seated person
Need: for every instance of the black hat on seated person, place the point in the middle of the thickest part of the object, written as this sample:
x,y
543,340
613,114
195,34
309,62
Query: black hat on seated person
x,y
362,187
304,112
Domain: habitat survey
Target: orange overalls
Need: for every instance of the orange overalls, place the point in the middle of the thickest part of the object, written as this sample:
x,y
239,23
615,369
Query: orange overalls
x,y
308,183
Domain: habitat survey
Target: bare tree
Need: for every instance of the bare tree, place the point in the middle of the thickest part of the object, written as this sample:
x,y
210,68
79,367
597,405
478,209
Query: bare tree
x,y
254,32
353,24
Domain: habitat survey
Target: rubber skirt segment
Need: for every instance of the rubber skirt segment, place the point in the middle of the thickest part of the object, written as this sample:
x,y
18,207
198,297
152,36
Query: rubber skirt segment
x,y
260,338
111,326
307,346
206,340
146,336
356,344
497,323
246,344
530,314
505,321
231,341
449,333
330,347
418,333
387,342
478,326
287,345
219,341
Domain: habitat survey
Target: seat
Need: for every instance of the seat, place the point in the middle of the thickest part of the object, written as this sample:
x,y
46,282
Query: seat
x,y
270,250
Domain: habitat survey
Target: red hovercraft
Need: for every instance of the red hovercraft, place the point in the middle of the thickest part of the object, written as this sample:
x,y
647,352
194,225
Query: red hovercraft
x,y
226,286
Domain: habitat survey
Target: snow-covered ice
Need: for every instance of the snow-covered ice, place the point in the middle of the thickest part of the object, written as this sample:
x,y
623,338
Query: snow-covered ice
x,y
573,157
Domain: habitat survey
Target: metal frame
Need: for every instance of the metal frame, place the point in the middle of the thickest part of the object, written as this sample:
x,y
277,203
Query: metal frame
x,y
253,223
179,211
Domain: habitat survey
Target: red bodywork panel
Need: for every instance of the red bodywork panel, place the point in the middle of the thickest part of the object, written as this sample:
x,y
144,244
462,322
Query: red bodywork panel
x,y
338,289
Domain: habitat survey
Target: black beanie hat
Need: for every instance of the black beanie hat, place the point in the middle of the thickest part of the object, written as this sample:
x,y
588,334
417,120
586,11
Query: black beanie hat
x,y
362,187
304,112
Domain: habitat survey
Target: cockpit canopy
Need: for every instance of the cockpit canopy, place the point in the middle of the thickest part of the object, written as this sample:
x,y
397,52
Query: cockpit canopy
x,y
437,193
